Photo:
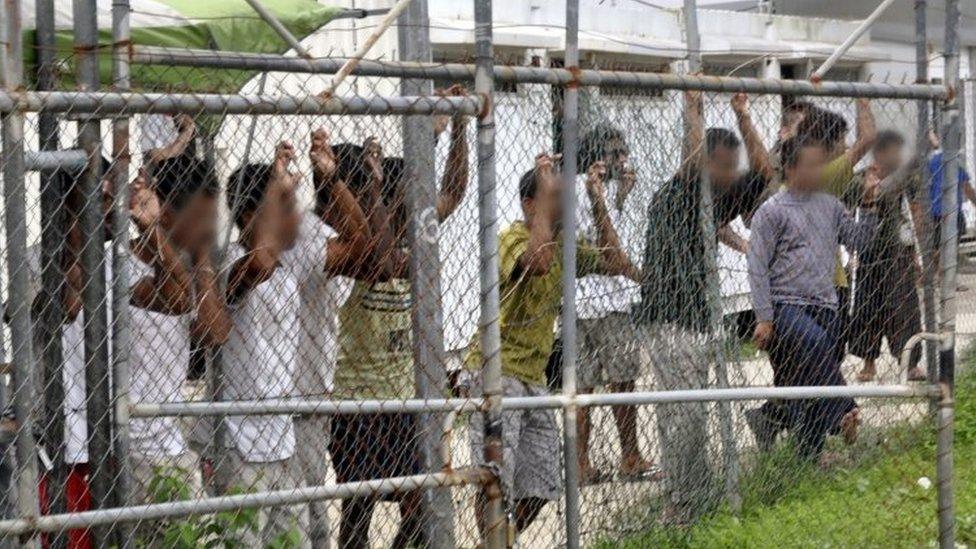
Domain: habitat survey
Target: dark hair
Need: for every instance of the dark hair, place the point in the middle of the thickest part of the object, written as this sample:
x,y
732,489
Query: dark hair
x,y
825,126
177,180
720,137
595,145
887,139
245,190
528,185
804,107
394,169
349,167
790,149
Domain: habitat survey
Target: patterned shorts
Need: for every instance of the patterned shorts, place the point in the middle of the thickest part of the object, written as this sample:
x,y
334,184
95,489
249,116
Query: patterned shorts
x,y
609,351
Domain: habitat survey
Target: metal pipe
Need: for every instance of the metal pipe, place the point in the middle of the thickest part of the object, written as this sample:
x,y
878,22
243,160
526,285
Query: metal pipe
x,y
153,55
120,271
397,11
948,251
426,315
276,498
52,316
416,406
109,103
18,293
905,359
570,147
944,469
278,27
495,518
850,40
72,160
925,237
730,454
97,390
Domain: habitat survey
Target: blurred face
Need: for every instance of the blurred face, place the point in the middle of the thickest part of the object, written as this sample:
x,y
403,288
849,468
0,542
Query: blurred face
x,y
289,219
889,158
548,198
195,224
723,167
807,174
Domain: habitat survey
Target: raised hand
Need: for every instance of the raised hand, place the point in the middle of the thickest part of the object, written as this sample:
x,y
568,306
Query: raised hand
x,y
544,163
373,158
740,103
872,185
596,174
144,206
322,156
281,174
185,123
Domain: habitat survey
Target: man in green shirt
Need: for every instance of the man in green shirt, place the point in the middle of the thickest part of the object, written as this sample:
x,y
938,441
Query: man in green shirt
x,y
530,284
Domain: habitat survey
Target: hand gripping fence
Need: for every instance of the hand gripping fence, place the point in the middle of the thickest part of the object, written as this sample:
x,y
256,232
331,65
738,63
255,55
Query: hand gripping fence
x,y
386,388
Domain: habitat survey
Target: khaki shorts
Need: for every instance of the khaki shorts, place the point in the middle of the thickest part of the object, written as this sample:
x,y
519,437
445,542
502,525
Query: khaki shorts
x,y
530,442
609,351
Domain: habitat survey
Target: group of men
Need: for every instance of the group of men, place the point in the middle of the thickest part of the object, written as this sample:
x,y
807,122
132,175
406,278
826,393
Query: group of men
x,y
316,304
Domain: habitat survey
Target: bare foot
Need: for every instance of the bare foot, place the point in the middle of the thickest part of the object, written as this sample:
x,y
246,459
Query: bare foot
x,y
636,467
916,374
849,425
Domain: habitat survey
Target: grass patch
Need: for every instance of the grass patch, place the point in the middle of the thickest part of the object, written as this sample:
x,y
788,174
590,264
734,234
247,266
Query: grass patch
x,y
875,502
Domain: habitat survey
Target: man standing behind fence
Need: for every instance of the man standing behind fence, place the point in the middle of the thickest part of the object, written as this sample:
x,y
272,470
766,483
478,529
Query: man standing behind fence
x,y
791,252
376,355
885,302
531,292
261,353
674,312
610,350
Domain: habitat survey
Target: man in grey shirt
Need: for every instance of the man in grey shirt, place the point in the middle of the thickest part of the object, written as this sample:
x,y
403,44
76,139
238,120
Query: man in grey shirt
x,y
791,265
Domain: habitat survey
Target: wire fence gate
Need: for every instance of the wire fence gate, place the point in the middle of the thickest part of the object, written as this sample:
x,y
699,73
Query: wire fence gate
x,y
250,311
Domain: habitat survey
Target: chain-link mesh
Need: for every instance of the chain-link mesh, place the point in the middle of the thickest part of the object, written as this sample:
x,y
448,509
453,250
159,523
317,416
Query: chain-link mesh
x,y
298,332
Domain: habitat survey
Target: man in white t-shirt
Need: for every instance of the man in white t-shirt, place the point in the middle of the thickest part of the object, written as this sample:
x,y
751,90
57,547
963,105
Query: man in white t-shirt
x,y
610,352
264,294
172,304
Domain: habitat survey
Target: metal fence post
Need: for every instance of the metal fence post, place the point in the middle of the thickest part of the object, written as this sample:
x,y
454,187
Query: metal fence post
x,y
925,236
18,296
53,235
491,371
730,454
430,375
120,274
948,249
570,142
97,390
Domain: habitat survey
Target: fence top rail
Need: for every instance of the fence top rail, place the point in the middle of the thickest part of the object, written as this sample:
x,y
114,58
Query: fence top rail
x,y
155,55
343,407
108,103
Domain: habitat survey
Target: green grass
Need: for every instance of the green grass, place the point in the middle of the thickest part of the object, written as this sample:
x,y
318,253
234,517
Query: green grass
x,y
874,502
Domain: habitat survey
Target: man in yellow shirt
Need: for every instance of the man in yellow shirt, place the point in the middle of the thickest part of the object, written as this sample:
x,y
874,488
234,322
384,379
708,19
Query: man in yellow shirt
x,y
530,284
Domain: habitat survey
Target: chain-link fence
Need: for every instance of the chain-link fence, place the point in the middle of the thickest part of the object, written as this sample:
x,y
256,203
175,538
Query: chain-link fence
x,y
249,304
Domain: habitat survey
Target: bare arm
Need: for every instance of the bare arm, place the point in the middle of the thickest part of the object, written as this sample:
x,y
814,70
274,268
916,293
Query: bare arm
x,y
755,149
540,250
615,260
732,239
169,289
455,179
866,132
211,326
692,152
346,254
261,260
186,131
